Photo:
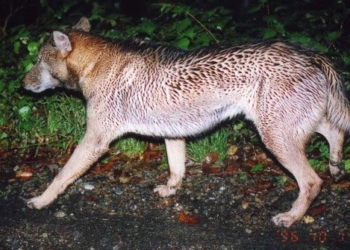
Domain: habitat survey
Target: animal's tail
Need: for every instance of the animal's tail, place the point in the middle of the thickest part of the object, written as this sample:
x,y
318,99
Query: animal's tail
x,y
338,107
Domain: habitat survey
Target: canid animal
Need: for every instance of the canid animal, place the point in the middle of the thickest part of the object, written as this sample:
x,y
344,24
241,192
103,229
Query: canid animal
x,y
288,92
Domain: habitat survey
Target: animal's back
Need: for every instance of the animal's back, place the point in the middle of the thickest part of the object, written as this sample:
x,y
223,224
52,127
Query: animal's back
x,y
184,93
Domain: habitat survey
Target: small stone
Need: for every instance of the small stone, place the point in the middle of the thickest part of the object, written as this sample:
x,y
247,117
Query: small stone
x,y
248,231
89,186
245,205
118,191
124,180
59,214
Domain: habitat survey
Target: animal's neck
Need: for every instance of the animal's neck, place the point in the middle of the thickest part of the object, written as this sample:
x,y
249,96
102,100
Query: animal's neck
x,y
84,61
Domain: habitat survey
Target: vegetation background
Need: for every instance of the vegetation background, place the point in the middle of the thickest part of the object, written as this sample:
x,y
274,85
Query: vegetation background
x,y
56,120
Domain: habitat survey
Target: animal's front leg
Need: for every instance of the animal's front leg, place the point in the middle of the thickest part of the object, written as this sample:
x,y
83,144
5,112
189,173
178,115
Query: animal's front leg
x,y
176,151
87,152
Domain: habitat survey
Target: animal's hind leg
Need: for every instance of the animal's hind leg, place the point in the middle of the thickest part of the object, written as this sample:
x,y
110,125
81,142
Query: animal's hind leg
x,y
289,150
335,138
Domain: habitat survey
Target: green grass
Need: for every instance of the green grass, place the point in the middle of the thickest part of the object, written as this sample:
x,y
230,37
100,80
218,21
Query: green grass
x,y
130,146
216,142
53,120
65,116
258,168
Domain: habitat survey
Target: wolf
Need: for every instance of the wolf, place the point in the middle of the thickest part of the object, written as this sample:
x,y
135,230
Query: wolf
x,y
289,92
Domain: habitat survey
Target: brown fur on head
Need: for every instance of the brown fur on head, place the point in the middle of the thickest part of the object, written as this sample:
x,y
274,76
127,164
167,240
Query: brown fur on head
x,y
51,69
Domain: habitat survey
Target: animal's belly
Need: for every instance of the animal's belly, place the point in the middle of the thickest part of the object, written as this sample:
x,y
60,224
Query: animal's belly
x,y
181,124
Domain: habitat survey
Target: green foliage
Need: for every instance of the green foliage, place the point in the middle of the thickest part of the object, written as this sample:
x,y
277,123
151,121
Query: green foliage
x,y
318,164
319,151
243,131
130,146
214,142
243,176
258,168
347,166
281,180
47,121
190,27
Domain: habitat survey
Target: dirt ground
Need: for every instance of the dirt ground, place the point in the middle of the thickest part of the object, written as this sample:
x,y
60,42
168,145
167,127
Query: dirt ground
x,y
218,207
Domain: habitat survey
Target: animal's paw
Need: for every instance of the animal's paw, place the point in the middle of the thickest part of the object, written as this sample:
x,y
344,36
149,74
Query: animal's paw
x,y
284,220
338,175
337,170
38,202
165,190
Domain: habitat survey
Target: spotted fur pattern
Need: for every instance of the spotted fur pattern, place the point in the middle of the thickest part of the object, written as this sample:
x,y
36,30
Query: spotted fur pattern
x,y
289,92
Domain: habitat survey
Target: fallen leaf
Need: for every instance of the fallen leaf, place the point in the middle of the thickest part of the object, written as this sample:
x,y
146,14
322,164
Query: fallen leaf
x,y
152,153
150,156
308,219
211,170
235,168
136,180
101,168
166,202
261,157
290,186
90,198
25,174
212,185
317,210
232,150
250,163
187,219
211,158
344,184
263,185
124,179
152,146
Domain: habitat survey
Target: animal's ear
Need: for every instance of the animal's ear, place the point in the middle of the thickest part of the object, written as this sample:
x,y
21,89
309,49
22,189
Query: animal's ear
x,y
62,42
83,25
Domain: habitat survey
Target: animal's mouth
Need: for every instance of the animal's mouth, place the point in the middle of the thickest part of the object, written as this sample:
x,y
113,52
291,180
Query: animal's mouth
x,y
35,89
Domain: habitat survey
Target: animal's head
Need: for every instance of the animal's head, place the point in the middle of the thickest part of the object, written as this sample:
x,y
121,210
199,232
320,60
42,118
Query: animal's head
x,y
51,69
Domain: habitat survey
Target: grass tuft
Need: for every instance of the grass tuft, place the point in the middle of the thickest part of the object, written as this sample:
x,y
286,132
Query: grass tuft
x,y
216,142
